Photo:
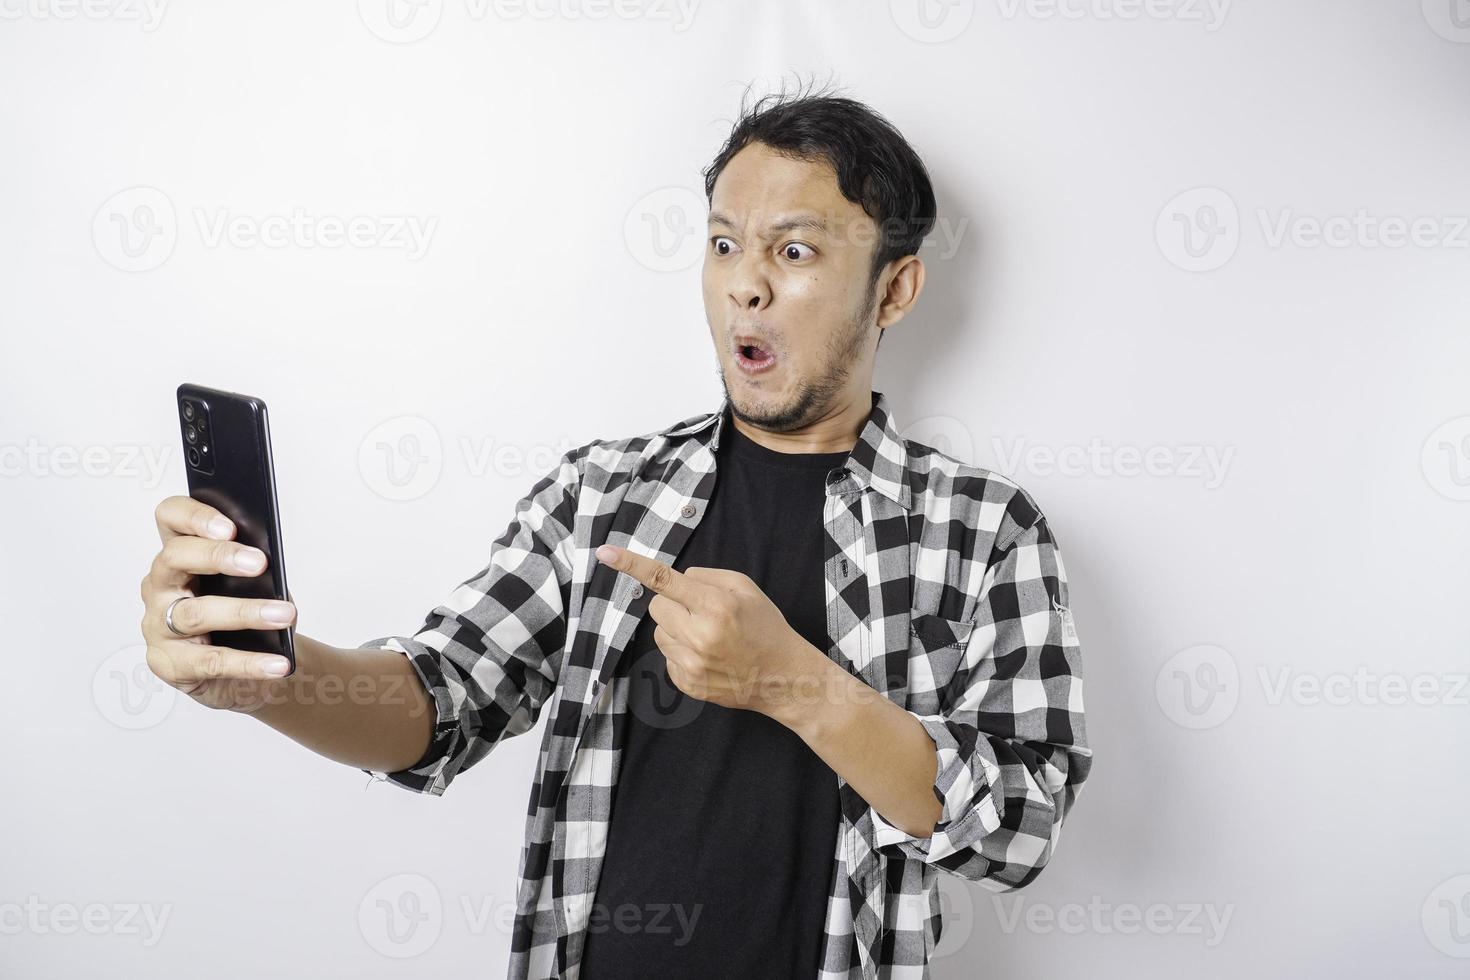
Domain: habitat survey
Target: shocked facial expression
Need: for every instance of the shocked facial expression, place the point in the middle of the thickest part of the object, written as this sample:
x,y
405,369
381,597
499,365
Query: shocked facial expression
x,y
786,294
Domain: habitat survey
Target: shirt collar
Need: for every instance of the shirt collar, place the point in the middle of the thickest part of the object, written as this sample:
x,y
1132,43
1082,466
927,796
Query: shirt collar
x,y
878,460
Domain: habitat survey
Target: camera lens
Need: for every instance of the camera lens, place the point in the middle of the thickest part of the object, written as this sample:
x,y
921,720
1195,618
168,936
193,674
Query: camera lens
x,y
188,411
190,434
193,456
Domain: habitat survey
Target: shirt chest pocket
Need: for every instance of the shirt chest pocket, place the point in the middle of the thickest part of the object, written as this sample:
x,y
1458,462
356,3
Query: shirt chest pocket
x,y
936,647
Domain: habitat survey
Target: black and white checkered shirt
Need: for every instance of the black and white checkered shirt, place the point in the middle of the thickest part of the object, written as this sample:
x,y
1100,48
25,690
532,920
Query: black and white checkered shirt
x,y
945,591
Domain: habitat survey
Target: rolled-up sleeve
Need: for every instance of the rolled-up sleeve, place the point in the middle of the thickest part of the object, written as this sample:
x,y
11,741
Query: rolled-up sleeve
x,y
1010,743
489,656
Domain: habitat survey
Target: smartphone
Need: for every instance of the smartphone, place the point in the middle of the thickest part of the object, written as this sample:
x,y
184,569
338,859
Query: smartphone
x,y
227,454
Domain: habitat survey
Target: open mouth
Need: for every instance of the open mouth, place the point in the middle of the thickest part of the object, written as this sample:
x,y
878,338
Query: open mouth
x,y
753,358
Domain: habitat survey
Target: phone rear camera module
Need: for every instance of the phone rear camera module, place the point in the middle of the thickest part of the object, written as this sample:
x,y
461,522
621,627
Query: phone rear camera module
x,y
193,456
191,434
188,411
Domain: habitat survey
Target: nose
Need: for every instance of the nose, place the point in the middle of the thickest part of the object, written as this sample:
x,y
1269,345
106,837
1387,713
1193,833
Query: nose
x,y
750,288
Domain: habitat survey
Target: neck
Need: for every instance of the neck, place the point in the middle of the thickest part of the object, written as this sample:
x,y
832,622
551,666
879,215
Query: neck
x,y
835,431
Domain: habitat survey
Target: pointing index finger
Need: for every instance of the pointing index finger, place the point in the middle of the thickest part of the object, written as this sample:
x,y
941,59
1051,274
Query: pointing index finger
x,y
661,578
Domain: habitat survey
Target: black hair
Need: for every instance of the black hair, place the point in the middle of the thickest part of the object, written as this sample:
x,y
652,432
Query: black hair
x,y
876,167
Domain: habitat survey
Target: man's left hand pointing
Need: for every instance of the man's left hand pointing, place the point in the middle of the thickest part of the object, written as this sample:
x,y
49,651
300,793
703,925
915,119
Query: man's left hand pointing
x,y
724,639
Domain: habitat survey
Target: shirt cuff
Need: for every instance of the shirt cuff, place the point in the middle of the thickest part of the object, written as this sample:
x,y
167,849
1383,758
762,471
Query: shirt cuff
x,y
427,775
962,784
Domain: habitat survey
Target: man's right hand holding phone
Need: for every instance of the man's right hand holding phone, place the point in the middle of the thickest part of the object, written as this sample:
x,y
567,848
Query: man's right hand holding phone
x,y
383,721
197,541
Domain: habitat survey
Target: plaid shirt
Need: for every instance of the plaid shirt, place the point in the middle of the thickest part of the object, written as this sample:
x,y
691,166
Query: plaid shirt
x,y
945,591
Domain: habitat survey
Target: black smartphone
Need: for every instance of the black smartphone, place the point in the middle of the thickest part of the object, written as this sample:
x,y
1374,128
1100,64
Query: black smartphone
x,y
227,454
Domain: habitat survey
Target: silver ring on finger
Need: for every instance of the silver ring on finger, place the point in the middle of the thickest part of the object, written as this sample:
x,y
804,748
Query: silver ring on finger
x,y
168,617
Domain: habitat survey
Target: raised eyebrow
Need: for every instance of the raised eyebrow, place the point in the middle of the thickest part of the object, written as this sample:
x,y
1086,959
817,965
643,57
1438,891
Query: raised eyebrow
x,y
793,222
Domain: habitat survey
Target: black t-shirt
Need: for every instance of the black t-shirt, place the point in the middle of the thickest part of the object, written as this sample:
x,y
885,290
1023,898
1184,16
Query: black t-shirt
x,y
723,828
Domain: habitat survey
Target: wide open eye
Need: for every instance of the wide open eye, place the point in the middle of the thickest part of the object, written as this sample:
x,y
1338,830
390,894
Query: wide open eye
x,y
793,251
729,245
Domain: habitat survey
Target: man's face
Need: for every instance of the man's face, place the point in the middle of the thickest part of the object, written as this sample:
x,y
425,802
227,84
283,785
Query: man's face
x,y
786,268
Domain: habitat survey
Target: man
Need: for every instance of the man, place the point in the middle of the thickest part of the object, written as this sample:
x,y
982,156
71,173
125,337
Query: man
x,y
797,665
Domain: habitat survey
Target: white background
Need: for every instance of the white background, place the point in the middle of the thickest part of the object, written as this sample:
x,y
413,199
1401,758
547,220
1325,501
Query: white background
x,y
1275,650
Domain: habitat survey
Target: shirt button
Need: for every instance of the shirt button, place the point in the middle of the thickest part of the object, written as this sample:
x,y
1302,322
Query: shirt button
x,y
637,590
687,510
